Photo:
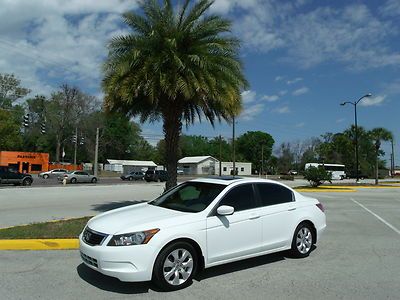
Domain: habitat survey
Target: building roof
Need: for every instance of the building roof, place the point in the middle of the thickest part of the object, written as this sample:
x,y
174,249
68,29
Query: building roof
x,y
194,159
139,163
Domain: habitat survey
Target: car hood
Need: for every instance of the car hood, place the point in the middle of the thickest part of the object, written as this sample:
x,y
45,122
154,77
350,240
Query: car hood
x,y
136,217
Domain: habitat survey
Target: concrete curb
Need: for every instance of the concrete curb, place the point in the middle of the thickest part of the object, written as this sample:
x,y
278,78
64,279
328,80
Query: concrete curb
x,y
40,244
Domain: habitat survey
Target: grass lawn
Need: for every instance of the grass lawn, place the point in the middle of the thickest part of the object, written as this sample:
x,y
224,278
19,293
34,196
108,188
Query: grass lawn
x,y
70,228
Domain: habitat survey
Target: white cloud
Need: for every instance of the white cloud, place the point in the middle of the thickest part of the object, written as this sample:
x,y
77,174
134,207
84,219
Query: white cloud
x,y
271,98
390,8
49,42
282,110
300,125
300,91
352,35
340,120
279,78
373,101
283,92
248,96
249,113
292,81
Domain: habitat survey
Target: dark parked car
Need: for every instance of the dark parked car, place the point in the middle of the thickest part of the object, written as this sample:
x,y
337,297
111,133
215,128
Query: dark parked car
x,y
133,176
10,176
156,175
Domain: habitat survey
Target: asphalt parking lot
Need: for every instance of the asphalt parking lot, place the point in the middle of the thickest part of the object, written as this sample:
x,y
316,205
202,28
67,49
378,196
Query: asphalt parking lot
x,y
357,258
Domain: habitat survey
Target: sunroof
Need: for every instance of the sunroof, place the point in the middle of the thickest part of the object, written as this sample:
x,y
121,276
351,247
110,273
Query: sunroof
x,y
225,177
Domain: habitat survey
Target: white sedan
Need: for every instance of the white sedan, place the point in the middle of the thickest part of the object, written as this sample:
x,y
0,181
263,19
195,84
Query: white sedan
x,y
199,224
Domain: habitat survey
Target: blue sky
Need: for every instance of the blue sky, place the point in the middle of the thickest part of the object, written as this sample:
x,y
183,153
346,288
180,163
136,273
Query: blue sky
x,y
301,57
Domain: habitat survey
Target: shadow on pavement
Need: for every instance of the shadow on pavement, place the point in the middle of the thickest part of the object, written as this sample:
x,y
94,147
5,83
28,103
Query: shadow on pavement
x,y
111,284
240,265
112,205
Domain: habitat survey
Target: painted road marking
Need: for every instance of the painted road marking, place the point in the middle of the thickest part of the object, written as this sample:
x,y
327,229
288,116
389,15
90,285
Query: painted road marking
x,y
378,217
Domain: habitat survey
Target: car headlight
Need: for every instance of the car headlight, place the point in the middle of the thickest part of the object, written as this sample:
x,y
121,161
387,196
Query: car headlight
x,y
134,238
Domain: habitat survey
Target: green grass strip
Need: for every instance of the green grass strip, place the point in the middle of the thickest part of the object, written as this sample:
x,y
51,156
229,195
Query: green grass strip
x,y
69,228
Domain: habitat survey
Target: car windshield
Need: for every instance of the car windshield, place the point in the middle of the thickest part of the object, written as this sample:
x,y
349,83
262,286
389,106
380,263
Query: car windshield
x,y
189,196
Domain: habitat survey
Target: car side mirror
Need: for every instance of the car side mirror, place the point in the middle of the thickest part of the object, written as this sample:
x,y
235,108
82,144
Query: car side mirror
x,y
225,210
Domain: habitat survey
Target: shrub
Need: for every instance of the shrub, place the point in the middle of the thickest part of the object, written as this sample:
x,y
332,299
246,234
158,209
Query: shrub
x,y
317,176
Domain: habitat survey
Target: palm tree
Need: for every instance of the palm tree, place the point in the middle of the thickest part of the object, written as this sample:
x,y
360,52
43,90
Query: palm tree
x,y
174,66
378,135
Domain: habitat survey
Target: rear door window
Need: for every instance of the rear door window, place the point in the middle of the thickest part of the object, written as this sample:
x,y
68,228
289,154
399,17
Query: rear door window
x,y
272,194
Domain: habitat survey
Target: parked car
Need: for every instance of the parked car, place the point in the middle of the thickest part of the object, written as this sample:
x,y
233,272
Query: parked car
x,y
53,173
77,176
292,172
11,176
180,172
133,176
156,175
199,224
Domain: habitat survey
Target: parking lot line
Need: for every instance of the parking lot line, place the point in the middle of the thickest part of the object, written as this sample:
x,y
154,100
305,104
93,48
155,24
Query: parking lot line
x,y
378,217
39,244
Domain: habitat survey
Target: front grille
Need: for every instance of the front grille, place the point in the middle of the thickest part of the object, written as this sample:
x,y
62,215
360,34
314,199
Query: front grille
x,y
89,260
92,237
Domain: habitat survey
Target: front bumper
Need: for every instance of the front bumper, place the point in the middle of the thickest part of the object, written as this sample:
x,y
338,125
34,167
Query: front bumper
x,y
127,263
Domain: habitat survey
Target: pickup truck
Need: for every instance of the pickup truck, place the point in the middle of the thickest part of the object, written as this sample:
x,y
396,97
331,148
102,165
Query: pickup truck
x,y
9,176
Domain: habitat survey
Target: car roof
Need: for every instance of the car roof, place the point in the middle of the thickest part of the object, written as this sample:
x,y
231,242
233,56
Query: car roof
x,y
227,180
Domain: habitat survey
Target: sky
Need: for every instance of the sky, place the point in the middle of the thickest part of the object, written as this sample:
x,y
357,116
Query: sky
x,y
302,58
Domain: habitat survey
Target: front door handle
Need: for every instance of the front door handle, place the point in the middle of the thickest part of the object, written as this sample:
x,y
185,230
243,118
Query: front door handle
x,y
292,208
253,217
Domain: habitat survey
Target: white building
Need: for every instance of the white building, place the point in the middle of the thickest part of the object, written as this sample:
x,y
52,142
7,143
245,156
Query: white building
x,y
126,166
242,168
198,165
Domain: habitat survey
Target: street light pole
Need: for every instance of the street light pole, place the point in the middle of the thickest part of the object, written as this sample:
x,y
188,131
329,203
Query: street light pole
x,y
233,147
356,128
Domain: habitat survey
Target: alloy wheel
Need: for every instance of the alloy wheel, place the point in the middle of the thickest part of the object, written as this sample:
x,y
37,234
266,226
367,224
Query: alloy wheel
x,y
304,240
178,266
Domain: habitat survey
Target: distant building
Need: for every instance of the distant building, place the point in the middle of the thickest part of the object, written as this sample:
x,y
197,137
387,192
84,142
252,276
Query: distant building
x,y
126,166
25,162
198,165
242,168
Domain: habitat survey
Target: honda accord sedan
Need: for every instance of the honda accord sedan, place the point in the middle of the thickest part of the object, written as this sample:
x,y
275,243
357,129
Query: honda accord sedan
x,y
199,224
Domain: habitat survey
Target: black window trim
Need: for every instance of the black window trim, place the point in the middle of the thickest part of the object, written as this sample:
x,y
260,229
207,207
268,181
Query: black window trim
x,y
259,200
213,211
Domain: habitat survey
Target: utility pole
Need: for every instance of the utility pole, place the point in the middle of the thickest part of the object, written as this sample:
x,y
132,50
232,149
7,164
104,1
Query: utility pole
x,y
76,144
220,155
96,153
262,160
392,161
233,146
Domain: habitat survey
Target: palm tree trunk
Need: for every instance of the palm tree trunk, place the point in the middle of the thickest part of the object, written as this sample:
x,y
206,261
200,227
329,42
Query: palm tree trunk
x,y
376,168
172,129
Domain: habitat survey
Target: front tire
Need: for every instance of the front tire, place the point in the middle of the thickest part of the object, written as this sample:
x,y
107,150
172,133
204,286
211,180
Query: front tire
x,y
303,240
73,180
27,182
94,180
175,266
45,176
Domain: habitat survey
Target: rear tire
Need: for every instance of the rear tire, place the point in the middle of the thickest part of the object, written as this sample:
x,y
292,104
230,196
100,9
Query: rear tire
x,y
73,180
45,176
175,266
130,178
303,240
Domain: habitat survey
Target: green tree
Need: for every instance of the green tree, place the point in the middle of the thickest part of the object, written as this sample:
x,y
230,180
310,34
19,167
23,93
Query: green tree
x,y
11,113
174,66
317,176
255,145
378,135
10,90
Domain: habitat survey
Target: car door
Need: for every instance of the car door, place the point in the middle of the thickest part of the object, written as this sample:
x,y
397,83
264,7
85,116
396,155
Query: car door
x,y
236,235
277,215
